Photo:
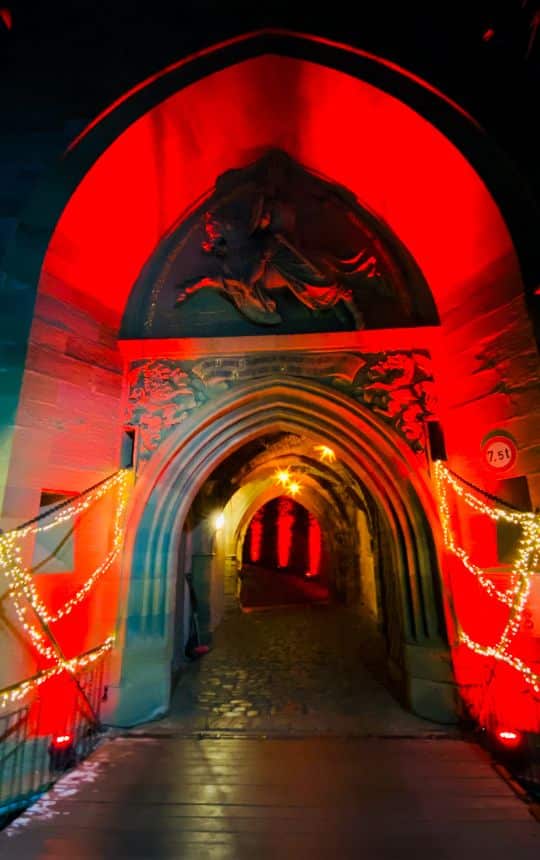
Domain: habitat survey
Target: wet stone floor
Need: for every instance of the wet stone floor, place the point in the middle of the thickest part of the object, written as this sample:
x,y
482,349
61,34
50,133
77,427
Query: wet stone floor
x,y
281,744
293,671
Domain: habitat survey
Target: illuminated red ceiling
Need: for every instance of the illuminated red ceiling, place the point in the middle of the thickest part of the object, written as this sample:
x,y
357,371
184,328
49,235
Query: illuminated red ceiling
x,y
395,161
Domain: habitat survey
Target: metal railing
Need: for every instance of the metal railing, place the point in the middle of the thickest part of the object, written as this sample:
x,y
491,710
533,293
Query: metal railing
x,y
31,759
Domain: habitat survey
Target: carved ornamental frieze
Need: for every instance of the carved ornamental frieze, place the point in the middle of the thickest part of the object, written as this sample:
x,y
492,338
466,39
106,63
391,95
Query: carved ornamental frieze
x,y
397,385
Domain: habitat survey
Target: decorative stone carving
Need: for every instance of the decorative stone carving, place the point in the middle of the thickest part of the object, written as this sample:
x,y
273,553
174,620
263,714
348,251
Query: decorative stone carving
x,y
397,385
276,248
248,261
160,395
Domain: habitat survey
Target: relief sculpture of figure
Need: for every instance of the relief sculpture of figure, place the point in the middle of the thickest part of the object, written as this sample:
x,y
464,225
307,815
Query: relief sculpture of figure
x,y
250,258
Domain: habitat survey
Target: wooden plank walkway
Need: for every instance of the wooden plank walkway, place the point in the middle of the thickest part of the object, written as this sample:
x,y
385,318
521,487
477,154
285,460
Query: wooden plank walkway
x,y
291,799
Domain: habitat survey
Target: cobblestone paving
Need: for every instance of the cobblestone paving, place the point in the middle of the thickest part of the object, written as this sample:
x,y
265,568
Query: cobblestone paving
x,y
289,671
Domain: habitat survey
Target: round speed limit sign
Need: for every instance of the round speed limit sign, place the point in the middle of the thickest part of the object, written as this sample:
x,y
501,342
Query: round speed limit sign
x,y
500,453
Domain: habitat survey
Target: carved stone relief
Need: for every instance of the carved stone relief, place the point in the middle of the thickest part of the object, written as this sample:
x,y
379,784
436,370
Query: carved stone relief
x,y
275,248
397,385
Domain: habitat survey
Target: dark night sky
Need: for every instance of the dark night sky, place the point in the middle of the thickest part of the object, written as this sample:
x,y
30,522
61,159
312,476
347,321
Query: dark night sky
x,y
84,53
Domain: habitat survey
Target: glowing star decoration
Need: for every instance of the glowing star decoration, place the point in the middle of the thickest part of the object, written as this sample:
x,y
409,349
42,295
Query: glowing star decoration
x,y
326,454
294,488
526,560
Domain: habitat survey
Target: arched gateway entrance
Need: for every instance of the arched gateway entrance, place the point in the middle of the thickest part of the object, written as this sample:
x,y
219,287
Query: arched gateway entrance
x,y
275,245
370,453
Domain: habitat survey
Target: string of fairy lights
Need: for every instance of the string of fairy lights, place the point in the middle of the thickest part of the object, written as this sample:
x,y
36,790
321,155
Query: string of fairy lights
x,y
523,568
19,691
25,596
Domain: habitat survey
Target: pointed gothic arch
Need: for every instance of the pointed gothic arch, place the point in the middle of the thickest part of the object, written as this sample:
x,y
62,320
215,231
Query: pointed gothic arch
x,y
180,466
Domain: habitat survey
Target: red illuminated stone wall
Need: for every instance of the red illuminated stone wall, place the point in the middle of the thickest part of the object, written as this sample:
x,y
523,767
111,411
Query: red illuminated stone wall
x,y
399,165
67,438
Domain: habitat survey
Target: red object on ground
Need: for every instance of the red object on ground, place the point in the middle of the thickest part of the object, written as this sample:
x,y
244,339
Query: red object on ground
x,y
201,649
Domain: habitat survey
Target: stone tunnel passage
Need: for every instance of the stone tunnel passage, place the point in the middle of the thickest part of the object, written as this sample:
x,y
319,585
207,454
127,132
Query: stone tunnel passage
x,y
284,525
294,671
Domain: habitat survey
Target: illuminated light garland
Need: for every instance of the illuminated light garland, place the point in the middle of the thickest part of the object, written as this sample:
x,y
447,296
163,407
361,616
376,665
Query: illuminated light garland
x,y
68,512
444,477
20,578
522,570
490,651
517,517
19,691
21,583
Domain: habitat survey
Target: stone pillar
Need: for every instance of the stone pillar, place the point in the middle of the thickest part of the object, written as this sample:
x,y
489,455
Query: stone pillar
x,y
231,583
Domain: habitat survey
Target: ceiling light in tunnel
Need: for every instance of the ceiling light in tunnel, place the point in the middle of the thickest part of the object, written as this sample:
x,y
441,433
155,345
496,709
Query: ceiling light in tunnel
x,y
283,477
219,520
326,454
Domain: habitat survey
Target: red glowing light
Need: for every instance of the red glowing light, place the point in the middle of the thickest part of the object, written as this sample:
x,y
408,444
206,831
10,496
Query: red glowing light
x,y
285,523
6,17
264,109
508,737
314,546
62,741
255,537
488,35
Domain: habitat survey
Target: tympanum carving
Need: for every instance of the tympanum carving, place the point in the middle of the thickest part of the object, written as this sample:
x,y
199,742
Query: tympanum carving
x,y
249,261
276,248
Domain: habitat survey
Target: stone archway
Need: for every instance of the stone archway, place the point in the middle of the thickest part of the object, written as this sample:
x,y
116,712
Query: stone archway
x,y
178,469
